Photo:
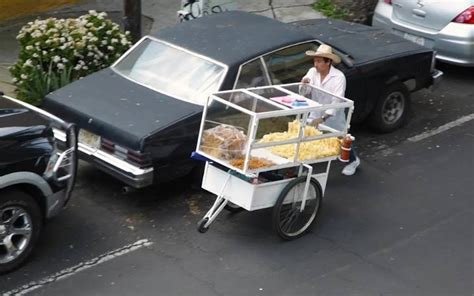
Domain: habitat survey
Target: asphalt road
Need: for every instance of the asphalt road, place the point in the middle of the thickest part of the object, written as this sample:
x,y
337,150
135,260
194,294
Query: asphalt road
x,y
403,225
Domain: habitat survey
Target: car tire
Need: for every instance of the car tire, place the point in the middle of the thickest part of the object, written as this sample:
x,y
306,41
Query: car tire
x,y
233,208
391,109
20,226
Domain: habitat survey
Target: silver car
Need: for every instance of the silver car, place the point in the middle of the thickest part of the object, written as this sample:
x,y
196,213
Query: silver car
x,y
445,26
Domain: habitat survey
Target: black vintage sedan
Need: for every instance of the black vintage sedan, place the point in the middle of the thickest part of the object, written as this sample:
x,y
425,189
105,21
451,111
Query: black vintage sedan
x,y
139,119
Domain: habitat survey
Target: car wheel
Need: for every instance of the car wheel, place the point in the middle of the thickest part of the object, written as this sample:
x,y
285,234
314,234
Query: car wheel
x,y
233,208
391,109
20,226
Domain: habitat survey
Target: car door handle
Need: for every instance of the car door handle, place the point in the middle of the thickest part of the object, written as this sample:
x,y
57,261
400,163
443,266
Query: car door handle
x,y
419,12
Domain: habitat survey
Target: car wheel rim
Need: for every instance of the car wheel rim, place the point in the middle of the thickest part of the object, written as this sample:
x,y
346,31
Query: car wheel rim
x,y
393,107
15,233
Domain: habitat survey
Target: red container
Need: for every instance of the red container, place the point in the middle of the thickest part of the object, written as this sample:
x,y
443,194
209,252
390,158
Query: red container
x,y
346,148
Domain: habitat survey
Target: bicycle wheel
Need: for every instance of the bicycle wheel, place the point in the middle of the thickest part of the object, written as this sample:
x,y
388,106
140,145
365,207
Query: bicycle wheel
x,y
289,221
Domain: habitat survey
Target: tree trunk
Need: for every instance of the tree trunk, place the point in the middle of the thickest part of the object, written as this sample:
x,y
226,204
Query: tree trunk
x,y
132,20
360,11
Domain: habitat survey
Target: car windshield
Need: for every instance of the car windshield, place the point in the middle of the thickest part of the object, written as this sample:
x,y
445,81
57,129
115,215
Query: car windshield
x,y
172,71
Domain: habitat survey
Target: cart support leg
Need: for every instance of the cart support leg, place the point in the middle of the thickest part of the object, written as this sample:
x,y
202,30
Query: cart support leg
x,y
306,186
218,205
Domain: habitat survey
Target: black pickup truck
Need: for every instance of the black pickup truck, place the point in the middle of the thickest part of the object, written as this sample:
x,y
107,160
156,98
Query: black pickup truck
x,y
139,119
36,180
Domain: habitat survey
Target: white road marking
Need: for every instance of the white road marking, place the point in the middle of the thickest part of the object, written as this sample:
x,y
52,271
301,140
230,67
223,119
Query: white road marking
x,y
442,128
65,273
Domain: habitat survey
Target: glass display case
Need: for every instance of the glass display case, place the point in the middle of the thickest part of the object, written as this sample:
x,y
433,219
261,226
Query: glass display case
x,y
273,127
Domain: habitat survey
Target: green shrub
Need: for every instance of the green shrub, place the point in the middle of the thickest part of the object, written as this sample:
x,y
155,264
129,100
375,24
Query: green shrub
x,y
329,9
55,52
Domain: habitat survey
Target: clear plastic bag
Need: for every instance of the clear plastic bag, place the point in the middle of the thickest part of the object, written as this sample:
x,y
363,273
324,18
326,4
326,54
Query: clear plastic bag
x,y
224,142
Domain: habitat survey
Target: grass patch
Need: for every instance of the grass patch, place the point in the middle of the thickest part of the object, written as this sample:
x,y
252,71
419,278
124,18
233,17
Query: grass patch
x,y
329,9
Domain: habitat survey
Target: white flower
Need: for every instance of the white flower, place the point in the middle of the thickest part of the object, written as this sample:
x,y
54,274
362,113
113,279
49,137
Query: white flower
x,y
114,40
24,76
35,55
92,12
78,67
64,60
111,48
62,39
44,52
103,14
56,59
36,34
28,63
14,80
104,42
124,41
60,66
109,32
29,47
85,68
37,44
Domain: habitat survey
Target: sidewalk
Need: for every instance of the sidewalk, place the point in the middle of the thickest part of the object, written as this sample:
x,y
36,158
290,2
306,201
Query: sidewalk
x,y
157,14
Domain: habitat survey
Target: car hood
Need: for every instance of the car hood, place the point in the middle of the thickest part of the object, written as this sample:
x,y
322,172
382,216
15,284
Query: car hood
x,y
117,108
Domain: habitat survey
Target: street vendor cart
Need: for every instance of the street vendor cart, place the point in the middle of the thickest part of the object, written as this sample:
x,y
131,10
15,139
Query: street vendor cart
x,y
261,152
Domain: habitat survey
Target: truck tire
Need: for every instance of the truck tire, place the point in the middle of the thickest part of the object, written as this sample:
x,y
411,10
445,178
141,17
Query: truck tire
x,y
20,226
391,109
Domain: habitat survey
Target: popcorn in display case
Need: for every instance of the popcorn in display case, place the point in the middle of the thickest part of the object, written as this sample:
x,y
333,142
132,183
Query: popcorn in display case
x,y
272,127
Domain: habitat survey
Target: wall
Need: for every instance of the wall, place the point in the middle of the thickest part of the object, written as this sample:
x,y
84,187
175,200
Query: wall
x,y
14,8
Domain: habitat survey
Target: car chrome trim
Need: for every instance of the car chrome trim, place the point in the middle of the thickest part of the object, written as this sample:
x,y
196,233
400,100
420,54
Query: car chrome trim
x,y
42,112
106,157
221,80
265,69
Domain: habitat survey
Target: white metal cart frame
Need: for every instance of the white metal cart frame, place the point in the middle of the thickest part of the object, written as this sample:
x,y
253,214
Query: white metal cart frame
x,y
233,186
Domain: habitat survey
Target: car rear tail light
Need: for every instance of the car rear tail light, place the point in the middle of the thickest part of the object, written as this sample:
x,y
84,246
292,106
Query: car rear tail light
x,y
465,17
142,159
107,145
134,157
388,1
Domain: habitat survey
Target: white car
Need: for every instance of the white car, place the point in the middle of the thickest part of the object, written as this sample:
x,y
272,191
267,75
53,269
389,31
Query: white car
x,y
445,26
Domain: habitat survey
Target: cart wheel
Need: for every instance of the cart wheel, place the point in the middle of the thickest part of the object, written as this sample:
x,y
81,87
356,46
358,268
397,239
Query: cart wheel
x,y
200,225
288,221
233,208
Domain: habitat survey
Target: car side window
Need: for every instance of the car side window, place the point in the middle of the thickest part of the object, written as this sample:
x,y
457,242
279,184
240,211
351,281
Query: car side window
x,y
251,75
289,65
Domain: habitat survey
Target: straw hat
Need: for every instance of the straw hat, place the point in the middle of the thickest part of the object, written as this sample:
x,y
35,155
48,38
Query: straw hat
x,y
324,51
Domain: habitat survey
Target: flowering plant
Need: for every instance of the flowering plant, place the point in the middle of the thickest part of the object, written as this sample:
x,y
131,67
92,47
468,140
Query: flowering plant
x,y
54,52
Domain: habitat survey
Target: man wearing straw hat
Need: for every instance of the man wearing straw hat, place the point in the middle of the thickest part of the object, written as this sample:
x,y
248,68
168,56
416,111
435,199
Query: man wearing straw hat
x,y
324,75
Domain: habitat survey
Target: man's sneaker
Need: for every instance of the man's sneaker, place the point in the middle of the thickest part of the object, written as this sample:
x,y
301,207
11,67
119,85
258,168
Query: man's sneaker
x,y
351,168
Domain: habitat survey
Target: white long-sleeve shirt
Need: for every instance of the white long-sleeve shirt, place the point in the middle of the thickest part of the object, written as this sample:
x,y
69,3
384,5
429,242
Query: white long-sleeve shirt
x,y
335,83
